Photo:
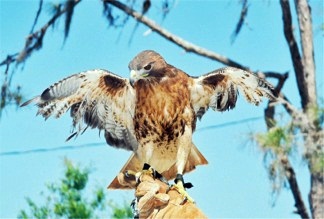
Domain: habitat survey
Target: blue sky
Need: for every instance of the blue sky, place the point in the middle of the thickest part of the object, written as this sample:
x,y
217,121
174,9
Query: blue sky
x,y
235,182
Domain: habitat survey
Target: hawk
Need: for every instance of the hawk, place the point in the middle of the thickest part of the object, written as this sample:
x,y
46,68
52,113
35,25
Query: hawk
x,y
154,113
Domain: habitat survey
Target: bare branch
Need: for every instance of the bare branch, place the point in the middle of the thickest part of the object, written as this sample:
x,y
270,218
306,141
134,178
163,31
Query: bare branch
x,y
294,52
239,24
34,41
272,74
37,15
291,177
269,112
187,46
145,7
69,8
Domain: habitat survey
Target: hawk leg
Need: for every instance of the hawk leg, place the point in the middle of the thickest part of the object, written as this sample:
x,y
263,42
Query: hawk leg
x,y
181,187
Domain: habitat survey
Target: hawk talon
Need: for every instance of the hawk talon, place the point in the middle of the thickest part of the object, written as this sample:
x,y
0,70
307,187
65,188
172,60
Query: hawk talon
x,y
146,166
180,186
147,169
130,174
178,178
181,190
187,185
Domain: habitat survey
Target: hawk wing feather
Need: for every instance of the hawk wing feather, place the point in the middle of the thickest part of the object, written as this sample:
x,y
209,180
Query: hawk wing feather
x,y
98,98
219,89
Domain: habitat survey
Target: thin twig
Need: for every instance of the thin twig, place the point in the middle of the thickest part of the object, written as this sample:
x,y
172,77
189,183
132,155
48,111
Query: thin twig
x,y
34,40
37,15
239,24
269,112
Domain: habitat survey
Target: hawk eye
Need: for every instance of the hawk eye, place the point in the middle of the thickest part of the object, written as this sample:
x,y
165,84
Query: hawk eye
x,y
148,67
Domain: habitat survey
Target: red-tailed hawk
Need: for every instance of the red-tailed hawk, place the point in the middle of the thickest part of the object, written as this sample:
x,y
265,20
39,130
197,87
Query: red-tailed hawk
x,y
154,113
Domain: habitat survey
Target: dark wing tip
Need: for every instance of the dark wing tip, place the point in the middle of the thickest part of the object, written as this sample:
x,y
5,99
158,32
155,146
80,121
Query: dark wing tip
x,y
46,94
71,136
273,92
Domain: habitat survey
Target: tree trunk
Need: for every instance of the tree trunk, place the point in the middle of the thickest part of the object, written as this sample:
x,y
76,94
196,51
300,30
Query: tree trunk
x,y
304,66
307,88
307,80
316,195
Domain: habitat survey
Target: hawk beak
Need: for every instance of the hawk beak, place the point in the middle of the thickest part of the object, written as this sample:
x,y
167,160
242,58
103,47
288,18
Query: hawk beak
x,y
133,77
132,82
136,75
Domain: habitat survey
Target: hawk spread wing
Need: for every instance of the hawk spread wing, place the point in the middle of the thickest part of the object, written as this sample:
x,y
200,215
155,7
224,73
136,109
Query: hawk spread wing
x,y
219,89
98,98
154,114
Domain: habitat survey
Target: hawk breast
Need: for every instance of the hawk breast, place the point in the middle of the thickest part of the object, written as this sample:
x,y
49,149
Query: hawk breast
x,y
162,110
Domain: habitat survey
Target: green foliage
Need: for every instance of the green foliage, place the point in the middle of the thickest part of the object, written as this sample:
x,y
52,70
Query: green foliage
x,y
66,199
276,143
120,212
36,212
276,140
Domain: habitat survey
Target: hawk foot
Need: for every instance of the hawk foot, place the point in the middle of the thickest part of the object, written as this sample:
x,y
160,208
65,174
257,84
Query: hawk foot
x,y
180,187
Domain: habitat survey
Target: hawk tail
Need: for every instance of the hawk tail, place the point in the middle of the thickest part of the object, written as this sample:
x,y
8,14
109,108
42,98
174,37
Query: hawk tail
x,y
195,158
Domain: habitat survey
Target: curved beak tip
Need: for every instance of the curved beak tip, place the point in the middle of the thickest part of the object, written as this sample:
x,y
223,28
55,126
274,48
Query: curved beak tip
x,y
133,75
132,82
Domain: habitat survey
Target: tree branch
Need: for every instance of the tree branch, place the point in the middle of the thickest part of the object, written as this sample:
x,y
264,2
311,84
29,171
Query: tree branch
x,y
239,24
34,41
291,177
270,110
37,15
187,46
294,52
269,113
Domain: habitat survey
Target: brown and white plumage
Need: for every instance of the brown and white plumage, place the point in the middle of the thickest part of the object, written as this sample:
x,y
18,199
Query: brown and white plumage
x,y
219,89
154,113
97,98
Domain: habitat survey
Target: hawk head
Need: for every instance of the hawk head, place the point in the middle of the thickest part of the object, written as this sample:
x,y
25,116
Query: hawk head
x,y
147,65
